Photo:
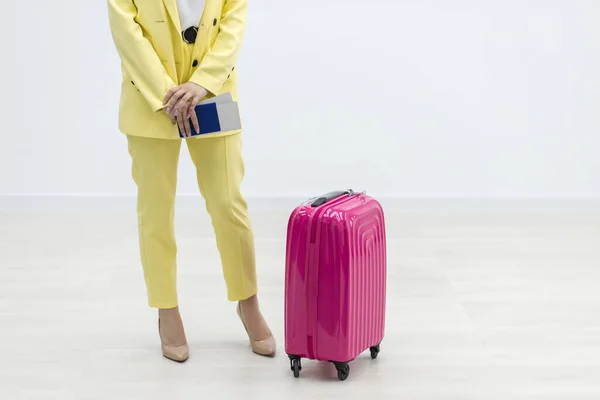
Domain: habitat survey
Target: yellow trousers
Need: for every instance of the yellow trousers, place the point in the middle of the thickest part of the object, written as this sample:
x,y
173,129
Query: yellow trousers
x,y
220,170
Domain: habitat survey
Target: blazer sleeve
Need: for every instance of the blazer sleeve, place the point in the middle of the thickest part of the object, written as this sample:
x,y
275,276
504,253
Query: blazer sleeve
x,y
139,59
219,61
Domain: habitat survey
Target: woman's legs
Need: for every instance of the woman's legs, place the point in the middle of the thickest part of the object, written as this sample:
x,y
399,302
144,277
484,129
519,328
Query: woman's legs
x,y
155,174
220,171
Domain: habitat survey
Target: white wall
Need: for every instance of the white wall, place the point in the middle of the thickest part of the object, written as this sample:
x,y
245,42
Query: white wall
x,y
402,97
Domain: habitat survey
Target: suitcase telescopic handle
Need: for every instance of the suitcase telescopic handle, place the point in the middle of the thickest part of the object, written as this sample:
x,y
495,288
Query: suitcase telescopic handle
x,y
327,197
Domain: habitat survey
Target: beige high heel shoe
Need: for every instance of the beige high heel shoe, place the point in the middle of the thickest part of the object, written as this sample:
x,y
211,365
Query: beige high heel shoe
x,y
178,354
266,348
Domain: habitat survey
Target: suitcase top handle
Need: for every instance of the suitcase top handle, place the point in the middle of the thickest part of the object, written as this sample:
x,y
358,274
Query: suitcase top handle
x,y
327,197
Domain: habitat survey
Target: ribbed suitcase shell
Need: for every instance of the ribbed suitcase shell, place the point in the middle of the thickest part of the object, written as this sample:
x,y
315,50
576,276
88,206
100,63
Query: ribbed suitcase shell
x,y
335,288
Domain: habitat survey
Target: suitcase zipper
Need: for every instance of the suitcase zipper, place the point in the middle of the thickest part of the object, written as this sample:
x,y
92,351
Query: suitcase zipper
x,y
313,273
328,197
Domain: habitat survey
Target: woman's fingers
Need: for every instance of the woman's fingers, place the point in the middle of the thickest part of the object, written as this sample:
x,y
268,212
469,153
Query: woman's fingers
x,y
174,100
192,112
172,118
194,119
181,124
170,94
182,109
181,112
182,103
188,127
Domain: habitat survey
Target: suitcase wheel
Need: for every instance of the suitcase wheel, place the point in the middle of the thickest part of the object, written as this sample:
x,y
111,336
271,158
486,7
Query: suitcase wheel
x,y
295,365
343,370
375,351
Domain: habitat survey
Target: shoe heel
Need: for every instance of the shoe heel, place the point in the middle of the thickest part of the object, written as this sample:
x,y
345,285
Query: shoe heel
x,y
265,348
178,354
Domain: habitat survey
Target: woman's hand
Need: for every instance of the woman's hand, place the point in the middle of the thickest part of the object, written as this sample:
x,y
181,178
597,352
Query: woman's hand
x,y
182,101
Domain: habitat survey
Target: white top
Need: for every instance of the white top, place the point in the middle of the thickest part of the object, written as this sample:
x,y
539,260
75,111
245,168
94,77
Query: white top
x,y
190,12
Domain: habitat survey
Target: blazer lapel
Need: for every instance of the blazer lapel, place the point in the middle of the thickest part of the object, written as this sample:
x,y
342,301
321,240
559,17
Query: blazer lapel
x,y
206,24
171,6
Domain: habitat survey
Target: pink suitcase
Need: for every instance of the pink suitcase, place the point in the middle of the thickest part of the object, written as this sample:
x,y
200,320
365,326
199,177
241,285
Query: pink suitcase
x,y
335,288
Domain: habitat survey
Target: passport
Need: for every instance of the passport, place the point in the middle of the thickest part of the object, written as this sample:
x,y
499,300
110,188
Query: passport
x,y
217,115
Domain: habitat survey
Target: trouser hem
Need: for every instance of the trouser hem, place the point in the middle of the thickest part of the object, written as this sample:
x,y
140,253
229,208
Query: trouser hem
x,y
164,305
242,295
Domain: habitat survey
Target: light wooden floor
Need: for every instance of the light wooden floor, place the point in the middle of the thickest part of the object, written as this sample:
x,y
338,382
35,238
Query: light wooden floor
x,y
481,306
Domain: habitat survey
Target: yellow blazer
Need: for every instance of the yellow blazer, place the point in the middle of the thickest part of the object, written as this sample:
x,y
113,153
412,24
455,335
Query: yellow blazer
x,y
147,35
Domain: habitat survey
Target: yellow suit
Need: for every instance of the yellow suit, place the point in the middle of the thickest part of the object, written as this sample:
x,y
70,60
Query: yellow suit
x,y
147,35
148,38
